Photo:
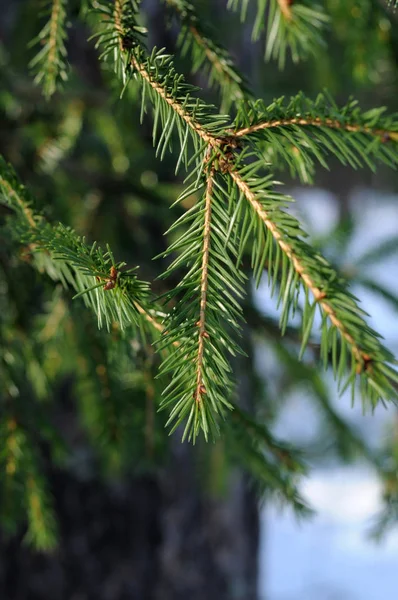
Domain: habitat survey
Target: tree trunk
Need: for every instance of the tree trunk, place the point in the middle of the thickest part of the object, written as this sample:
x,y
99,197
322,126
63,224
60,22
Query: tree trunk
x,y
151,538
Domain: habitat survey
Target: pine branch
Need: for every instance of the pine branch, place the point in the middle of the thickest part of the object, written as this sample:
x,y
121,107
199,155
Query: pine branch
x,y
209,55
50,62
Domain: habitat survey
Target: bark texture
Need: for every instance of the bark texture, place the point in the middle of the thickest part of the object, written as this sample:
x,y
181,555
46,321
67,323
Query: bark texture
x,y
151,538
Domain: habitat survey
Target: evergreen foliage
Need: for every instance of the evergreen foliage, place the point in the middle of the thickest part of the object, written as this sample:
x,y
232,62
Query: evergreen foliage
x,y
228,213
50,62
208,55
294,27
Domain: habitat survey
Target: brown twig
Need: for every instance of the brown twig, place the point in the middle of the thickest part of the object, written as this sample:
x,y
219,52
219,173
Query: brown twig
x,y
202,41
210,139
285,9
320,296
52,40
25,209
202,334
384,134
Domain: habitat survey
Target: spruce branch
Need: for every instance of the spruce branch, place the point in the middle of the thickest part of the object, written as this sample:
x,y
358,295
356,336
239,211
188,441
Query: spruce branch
x,y
208,54
285,8
343,329
173,100
112,292
384,134
21,473
202,333
197,333
205,314
291,26
179,105
11,196
274,466
50,62
302,130
370,359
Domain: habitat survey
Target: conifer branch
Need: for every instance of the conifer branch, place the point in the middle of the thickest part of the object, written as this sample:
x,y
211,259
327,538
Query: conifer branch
x,y
164,87
160,83
369,358
115,294
285,9
384,134
174,103
289,25
208,54
302,130
234,212
202,333
280,237
204,319
193,333
118,16
50,62
14,199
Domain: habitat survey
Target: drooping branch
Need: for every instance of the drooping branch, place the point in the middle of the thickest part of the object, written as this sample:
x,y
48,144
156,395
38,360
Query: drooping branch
x,y
203,310
50,61
116,296
208,54
202,333
289,26
362,357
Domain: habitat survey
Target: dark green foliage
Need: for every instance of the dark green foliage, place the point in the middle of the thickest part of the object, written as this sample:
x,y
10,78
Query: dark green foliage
x,y
203,322
49,63
208,55
294,27
299,132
